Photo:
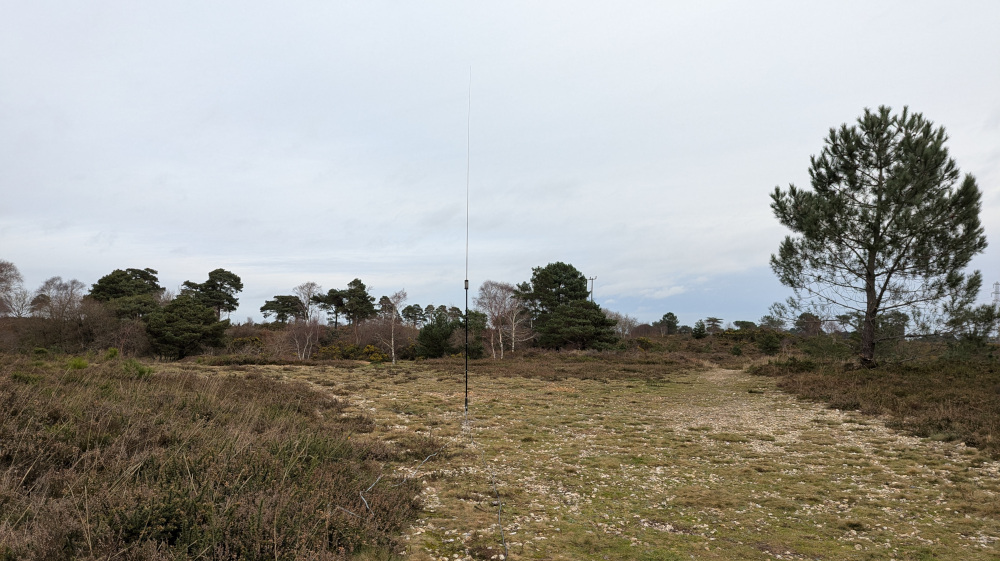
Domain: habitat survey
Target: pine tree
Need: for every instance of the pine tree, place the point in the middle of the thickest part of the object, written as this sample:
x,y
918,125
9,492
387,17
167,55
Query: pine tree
x,y
218,292
557,299
889,225
184,326
699,331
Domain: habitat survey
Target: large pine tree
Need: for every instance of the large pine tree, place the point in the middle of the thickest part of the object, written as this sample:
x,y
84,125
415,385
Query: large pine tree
x,y
562,315
889,224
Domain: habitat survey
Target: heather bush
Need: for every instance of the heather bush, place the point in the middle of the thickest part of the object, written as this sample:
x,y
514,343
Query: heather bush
x,y
127,463
935,394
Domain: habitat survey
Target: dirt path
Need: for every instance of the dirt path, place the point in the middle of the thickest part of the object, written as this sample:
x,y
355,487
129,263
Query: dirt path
x,y
709,465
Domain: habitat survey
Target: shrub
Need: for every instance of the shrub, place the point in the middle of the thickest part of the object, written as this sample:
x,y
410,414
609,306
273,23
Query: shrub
x,y
769,343
111,353
136,370
373,354
476,350
825,346
699,331
945,398
77,363
329,352
240,360
433,341
409,352
246,346
792,366
25,378
352,352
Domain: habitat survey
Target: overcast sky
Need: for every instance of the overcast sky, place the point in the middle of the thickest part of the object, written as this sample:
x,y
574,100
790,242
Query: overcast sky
x,y
322,141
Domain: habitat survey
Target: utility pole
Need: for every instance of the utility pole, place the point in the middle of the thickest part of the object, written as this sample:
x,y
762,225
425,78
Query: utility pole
x,y
592,279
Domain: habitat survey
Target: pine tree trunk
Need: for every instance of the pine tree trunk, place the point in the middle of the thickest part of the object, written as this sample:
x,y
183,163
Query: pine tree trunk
x,y
868,330
871,303
868,343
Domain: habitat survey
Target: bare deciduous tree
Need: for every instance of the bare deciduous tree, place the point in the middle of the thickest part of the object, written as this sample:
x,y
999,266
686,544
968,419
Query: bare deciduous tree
x,y
305,292
19,304
492,300
505,313
57,299
10,283
389,311
130,338
58,302
626,323
164,298
305,333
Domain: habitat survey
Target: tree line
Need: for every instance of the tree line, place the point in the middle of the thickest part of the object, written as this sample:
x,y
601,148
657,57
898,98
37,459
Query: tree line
x,y
551,310
878,248
126,309
130,310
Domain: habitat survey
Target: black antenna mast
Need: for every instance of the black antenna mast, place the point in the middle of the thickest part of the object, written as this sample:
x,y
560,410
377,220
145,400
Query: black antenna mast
x,y
468,160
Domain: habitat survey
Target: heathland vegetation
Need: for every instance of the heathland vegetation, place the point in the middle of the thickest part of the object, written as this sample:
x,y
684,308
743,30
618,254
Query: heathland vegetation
x,y
141,424
109,456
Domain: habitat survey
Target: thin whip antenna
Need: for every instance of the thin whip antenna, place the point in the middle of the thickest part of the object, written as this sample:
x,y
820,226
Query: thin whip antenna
x,y
467,424
468,167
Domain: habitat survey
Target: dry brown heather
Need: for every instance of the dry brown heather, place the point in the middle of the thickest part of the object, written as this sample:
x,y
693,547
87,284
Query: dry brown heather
x,y
107,459
637,456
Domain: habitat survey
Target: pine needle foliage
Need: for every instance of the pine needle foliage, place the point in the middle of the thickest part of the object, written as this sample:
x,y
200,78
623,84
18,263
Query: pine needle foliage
x,y
889,225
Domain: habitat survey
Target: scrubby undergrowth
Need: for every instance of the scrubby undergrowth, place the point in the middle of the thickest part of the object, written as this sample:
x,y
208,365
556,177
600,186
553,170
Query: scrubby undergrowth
x,y
653,358
954,395
105,458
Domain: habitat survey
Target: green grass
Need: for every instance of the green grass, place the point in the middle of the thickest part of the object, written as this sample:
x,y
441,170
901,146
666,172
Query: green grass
x,y
693,465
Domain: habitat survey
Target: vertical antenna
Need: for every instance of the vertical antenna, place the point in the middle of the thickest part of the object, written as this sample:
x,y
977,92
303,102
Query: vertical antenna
x,y
468,166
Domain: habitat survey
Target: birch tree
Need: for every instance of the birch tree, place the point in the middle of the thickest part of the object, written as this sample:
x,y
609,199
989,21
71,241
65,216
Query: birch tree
x,y
11,282
389,307
305,333
307,293
506,315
